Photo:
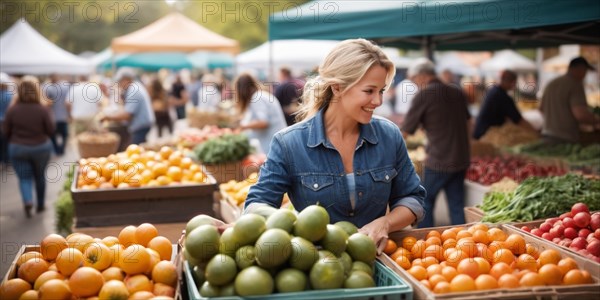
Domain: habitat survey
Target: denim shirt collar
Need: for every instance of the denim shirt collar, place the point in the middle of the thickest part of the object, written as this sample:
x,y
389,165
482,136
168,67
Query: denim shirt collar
x,y
316,132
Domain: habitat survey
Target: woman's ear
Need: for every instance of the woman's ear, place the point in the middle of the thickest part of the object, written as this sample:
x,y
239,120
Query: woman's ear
x,y
335,88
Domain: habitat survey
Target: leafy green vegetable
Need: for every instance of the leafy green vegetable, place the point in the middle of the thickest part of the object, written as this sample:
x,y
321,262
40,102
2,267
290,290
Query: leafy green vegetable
x,y
538,198
64,207
223,149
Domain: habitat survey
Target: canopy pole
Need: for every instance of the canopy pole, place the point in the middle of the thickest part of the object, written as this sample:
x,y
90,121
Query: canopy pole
x,y
428,47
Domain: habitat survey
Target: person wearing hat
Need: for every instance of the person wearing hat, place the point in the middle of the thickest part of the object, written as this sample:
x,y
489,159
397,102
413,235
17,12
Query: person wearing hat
x,y
564,105
442,111
138,110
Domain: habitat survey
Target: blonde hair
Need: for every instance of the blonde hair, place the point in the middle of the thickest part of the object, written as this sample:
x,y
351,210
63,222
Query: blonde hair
x,y
29,90
345,65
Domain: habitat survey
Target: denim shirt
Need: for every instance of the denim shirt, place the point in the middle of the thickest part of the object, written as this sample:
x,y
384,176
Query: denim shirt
x,y
306,165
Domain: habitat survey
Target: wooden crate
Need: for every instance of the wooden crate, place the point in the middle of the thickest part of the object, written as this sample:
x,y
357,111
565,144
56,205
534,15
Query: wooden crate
x,y
584,291
168,204
473,214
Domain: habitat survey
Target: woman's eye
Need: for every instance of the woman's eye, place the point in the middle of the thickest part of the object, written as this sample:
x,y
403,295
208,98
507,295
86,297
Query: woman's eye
x,y
369,92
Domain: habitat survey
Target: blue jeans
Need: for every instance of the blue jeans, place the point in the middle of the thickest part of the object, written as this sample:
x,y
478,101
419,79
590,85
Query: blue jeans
x,y
139,136
3,147
62,130
30,164
180,111
454,185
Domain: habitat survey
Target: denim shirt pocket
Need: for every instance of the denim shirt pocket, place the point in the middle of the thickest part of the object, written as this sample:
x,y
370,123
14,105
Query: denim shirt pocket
x,y
382,183
318,188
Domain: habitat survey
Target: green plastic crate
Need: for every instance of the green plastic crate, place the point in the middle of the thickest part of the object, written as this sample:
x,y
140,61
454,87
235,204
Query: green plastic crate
x,y
389,286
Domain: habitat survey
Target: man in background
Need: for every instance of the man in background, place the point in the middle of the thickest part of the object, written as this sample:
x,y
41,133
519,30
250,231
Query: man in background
x,y
288,94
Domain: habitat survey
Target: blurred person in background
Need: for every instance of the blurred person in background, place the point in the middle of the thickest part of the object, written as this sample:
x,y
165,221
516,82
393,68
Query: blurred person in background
x,y
288,94
160,106
7,92
564,105
28,127
56,92
209,95
443,113
405,92
84,100
179,97
137,107
261,112
498,106
194,87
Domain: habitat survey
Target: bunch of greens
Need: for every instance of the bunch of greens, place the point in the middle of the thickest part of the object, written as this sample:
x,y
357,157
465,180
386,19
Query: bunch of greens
x,y
223,149
570,152
538,198
64,206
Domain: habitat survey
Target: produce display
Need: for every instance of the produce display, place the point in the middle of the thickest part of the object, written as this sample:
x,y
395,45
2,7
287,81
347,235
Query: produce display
x,y
571,152
577,229
505,185
479,258
92,137
489,170
136,167
237,191
539,198
509,134
224,149
278,251
192,137
135,265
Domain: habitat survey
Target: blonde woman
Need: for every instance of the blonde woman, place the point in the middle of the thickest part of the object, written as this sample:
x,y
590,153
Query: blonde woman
x,y
341,156
28,127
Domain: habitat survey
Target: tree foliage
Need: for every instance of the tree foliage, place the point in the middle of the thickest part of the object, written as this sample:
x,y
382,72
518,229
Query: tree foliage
x,y
78,26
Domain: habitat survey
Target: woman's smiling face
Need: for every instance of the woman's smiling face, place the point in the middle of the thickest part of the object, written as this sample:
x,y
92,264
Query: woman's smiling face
x,y
360,100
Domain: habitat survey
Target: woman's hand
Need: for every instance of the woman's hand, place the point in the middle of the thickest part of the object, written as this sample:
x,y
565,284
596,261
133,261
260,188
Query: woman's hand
x,y
377,230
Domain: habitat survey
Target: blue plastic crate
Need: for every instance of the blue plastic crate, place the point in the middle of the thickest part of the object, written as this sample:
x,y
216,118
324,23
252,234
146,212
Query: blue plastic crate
x,y
390,286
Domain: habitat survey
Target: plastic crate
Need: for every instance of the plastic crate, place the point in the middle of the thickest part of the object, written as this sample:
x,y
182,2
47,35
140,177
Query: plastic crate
x,y
389,286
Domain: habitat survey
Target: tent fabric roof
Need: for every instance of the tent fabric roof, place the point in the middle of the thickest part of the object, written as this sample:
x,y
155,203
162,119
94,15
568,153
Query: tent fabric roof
x,y
447,24
154,61
173,33
23,50
508,60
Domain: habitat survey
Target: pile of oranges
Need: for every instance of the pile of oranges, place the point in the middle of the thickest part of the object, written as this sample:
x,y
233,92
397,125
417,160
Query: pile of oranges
x,y
481,258
135,265
136,167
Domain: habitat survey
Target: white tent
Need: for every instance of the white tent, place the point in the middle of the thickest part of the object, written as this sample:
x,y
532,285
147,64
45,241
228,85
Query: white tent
x,y
299,55
25,51
508,60
453,62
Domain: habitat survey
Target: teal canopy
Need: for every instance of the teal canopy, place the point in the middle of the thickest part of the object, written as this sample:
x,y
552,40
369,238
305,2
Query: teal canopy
x,y
444,24
154,61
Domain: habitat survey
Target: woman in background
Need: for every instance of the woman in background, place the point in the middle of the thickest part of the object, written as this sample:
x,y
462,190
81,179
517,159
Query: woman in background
x,y
160,106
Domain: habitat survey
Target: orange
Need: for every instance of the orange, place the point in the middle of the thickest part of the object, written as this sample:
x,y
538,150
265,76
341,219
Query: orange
x,y
113,289
551,274
442,288
86,282
165,272
567,264
417,262
448,234
527,262
135,260
133,149
486,282
496,234
51,245
574,277
484,252
175,173
27,256
113,273
165,152
433,233
390,247
69,260
478,226
504,255
495,246
549,256
138,283
434,251
418,248
480,236
516,243
468,246
142,295
186,163
159,169
408,242
457,229
29,295
508,281
436,279
145,233
449,243
127,235
587,277
462,283
110,240
484,265
426,283
403,262
98,256
469,267
455,258
428,261
154,259
531,279
163,246
45,277
434,269
532,250
175,159
401,252
449,273
54,289
463,234
434,240
500,269
116,251
418,272
13,288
